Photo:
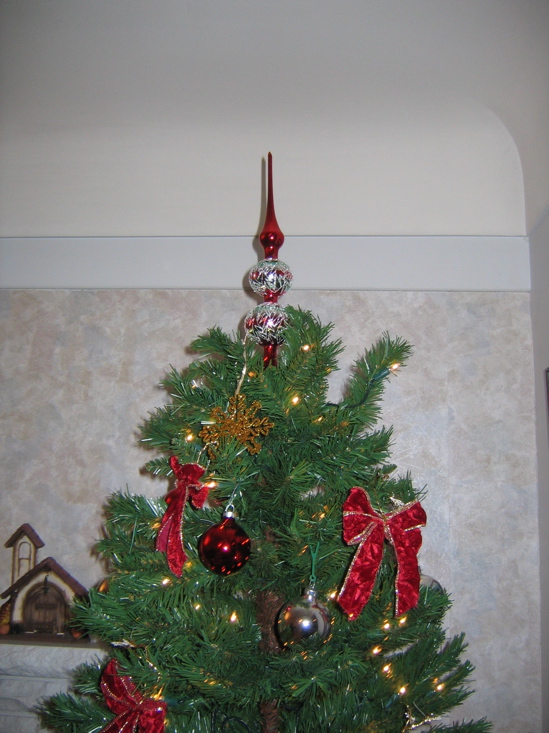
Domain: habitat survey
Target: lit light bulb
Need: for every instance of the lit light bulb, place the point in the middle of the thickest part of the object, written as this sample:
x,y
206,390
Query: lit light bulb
x,y
376,650
402,621
402,690
305,347
386,669
189,437
439,687
166,581
295,399
197,607
386,626
233,617
394,367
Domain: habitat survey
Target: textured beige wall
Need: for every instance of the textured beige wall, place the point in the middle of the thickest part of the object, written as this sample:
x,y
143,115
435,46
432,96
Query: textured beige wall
x,y
79,370
539,257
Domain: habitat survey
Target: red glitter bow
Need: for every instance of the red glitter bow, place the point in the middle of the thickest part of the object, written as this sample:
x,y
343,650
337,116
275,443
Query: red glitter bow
x,y
132,711
170,535
362,526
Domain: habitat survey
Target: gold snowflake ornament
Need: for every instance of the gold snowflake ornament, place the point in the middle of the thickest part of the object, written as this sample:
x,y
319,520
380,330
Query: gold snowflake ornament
x,y
239,422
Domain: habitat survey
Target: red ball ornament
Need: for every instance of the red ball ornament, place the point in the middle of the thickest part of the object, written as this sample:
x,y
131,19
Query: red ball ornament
x,y
224,548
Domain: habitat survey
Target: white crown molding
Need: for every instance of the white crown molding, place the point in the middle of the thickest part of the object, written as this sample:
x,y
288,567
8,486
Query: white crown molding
x,y
321,263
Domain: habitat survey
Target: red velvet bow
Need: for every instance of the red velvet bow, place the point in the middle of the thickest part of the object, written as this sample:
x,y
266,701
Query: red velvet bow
x,y
362,526
170,535
132,711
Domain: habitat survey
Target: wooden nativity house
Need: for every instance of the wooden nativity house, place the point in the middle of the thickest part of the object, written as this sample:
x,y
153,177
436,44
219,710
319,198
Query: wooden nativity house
x,y
41,594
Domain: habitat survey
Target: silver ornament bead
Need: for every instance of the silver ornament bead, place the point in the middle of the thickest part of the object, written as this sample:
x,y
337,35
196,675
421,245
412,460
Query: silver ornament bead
x,y
266,323
270,277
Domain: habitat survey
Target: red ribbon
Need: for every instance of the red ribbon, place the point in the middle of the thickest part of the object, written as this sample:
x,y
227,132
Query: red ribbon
x,y
132,711
170,535
362,526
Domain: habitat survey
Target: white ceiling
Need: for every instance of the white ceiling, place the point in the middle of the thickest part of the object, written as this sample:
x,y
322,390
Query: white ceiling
x,y
136,117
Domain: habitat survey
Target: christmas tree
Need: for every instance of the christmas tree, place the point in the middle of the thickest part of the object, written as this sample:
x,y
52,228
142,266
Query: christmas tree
x,y
276,587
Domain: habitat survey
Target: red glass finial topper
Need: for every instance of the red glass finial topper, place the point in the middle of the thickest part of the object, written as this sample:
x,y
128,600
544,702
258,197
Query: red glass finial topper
x,y
270,278
271,236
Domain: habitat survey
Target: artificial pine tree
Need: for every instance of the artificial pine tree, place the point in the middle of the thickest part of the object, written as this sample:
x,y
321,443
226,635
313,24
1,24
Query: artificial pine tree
x,y
276,587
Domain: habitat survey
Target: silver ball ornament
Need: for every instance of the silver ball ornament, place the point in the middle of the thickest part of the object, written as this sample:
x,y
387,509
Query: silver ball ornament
x,y
427,582
303,619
